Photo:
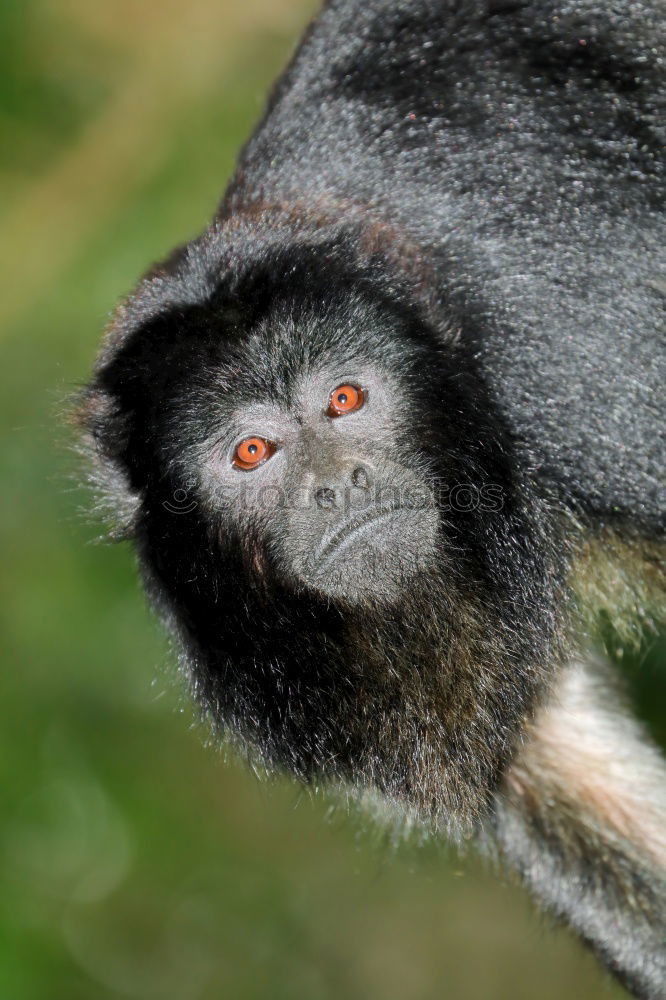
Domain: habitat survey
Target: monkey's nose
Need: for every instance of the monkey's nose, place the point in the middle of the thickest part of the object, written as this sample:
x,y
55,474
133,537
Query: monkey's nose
x,y
325,497
360,478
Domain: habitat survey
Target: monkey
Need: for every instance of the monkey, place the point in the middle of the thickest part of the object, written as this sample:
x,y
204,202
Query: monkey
x,y
388,438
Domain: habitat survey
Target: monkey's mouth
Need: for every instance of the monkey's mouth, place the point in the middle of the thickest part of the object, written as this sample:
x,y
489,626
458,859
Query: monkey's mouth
x,y
359,528
373,556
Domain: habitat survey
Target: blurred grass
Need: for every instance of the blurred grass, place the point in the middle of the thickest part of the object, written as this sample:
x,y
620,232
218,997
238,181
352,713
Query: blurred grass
x,y
134,861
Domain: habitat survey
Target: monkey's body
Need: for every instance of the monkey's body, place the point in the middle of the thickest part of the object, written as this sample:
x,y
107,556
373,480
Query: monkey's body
x,y
448,230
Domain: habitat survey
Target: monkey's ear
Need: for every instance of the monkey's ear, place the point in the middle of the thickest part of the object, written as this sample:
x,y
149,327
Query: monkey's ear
x,y
103,439
145,350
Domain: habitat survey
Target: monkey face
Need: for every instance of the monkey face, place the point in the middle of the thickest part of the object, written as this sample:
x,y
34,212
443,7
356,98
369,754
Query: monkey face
x,y
313,472
331,510
309,456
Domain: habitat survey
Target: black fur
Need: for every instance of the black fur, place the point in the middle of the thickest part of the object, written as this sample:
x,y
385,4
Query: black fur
x,y
460,204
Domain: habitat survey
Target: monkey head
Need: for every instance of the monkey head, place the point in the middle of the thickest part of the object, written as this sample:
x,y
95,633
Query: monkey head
x,y
327,515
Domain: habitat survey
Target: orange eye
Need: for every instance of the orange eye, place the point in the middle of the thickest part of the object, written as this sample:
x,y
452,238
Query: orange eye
x,y
251,452
345,399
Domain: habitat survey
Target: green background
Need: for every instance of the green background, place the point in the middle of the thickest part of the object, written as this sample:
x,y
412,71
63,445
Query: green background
x,y
134,860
